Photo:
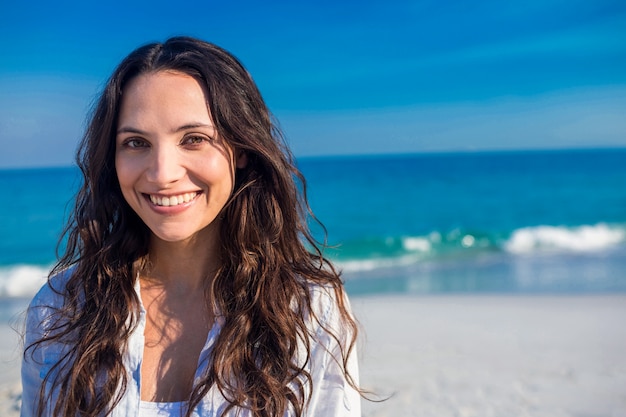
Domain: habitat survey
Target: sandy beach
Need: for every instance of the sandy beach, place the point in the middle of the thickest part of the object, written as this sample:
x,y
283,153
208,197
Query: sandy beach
x,y
552,356
495,355
10,356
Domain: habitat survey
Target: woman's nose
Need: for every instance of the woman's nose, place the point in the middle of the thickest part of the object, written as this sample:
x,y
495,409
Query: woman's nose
x,y
165,166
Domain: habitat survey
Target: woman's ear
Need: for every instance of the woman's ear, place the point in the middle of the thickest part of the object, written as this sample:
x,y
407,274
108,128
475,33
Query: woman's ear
x,y
241,160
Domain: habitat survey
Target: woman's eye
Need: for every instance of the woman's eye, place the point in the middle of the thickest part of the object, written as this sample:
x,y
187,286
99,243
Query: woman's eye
x,y
135,143
194,140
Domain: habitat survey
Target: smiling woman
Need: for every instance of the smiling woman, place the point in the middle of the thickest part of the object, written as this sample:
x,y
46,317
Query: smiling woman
x,y
173,169
186,286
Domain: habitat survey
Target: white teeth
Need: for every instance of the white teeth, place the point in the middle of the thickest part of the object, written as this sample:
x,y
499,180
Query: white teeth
x,y
172,200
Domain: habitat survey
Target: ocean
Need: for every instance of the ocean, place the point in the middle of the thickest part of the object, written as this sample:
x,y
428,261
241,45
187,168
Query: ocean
x,y
500,222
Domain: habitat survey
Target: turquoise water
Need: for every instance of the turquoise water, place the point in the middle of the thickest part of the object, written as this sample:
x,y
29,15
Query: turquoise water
x,y
550,221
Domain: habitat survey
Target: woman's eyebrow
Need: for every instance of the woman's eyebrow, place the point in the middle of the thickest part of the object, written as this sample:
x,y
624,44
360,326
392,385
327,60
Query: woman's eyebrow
x,y
193,126
130,129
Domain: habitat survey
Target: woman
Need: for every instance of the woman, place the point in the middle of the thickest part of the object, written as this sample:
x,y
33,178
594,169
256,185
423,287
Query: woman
x,y
190,284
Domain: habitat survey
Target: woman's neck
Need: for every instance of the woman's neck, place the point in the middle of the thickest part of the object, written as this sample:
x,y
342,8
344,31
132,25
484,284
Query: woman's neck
x,y
181,267
173,287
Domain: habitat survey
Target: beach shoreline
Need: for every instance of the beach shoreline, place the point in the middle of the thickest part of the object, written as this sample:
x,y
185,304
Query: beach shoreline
x,y
469,355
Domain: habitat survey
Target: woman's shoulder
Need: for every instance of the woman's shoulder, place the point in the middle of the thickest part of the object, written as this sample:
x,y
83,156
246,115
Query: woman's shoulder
x,y
42,317
51,295
327,304
323,297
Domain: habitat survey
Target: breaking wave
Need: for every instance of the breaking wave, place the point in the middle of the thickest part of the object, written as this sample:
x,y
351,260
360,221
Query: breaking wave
x,y
390,252
457,243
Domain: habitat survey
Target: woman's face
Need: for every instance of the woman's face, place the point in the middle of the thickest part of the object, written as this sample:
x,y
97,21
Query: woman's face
x,y
173,169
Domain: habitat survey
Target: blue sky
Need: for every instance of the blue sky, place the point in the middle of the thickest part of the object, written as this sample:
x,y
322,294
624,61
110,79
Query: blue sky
x,y
343,77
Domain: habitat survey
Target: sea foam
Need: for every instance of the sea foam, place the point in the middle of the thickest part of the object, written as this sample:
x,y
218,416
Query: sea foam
x,y
585,238
417,244
22,280
459,244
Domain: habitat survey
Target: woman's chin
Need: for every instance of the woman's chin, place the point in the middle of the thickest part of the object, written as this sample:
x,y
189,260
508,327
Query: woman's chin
x,y
178,235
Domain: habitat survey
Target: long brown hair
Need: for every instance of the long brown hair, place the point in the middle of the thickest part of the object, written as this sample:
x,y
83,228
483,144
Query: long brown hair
x,y
269,257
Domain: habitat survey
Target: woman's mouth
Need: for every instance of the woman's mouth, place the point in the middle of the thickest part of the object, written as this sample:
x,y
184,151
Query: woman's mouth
x,y
172,200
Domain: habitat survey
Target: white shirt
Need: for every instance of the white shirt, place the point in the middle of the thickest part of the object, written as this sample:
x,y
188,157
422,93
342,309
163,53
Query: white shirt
x,y
331,395
150,409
